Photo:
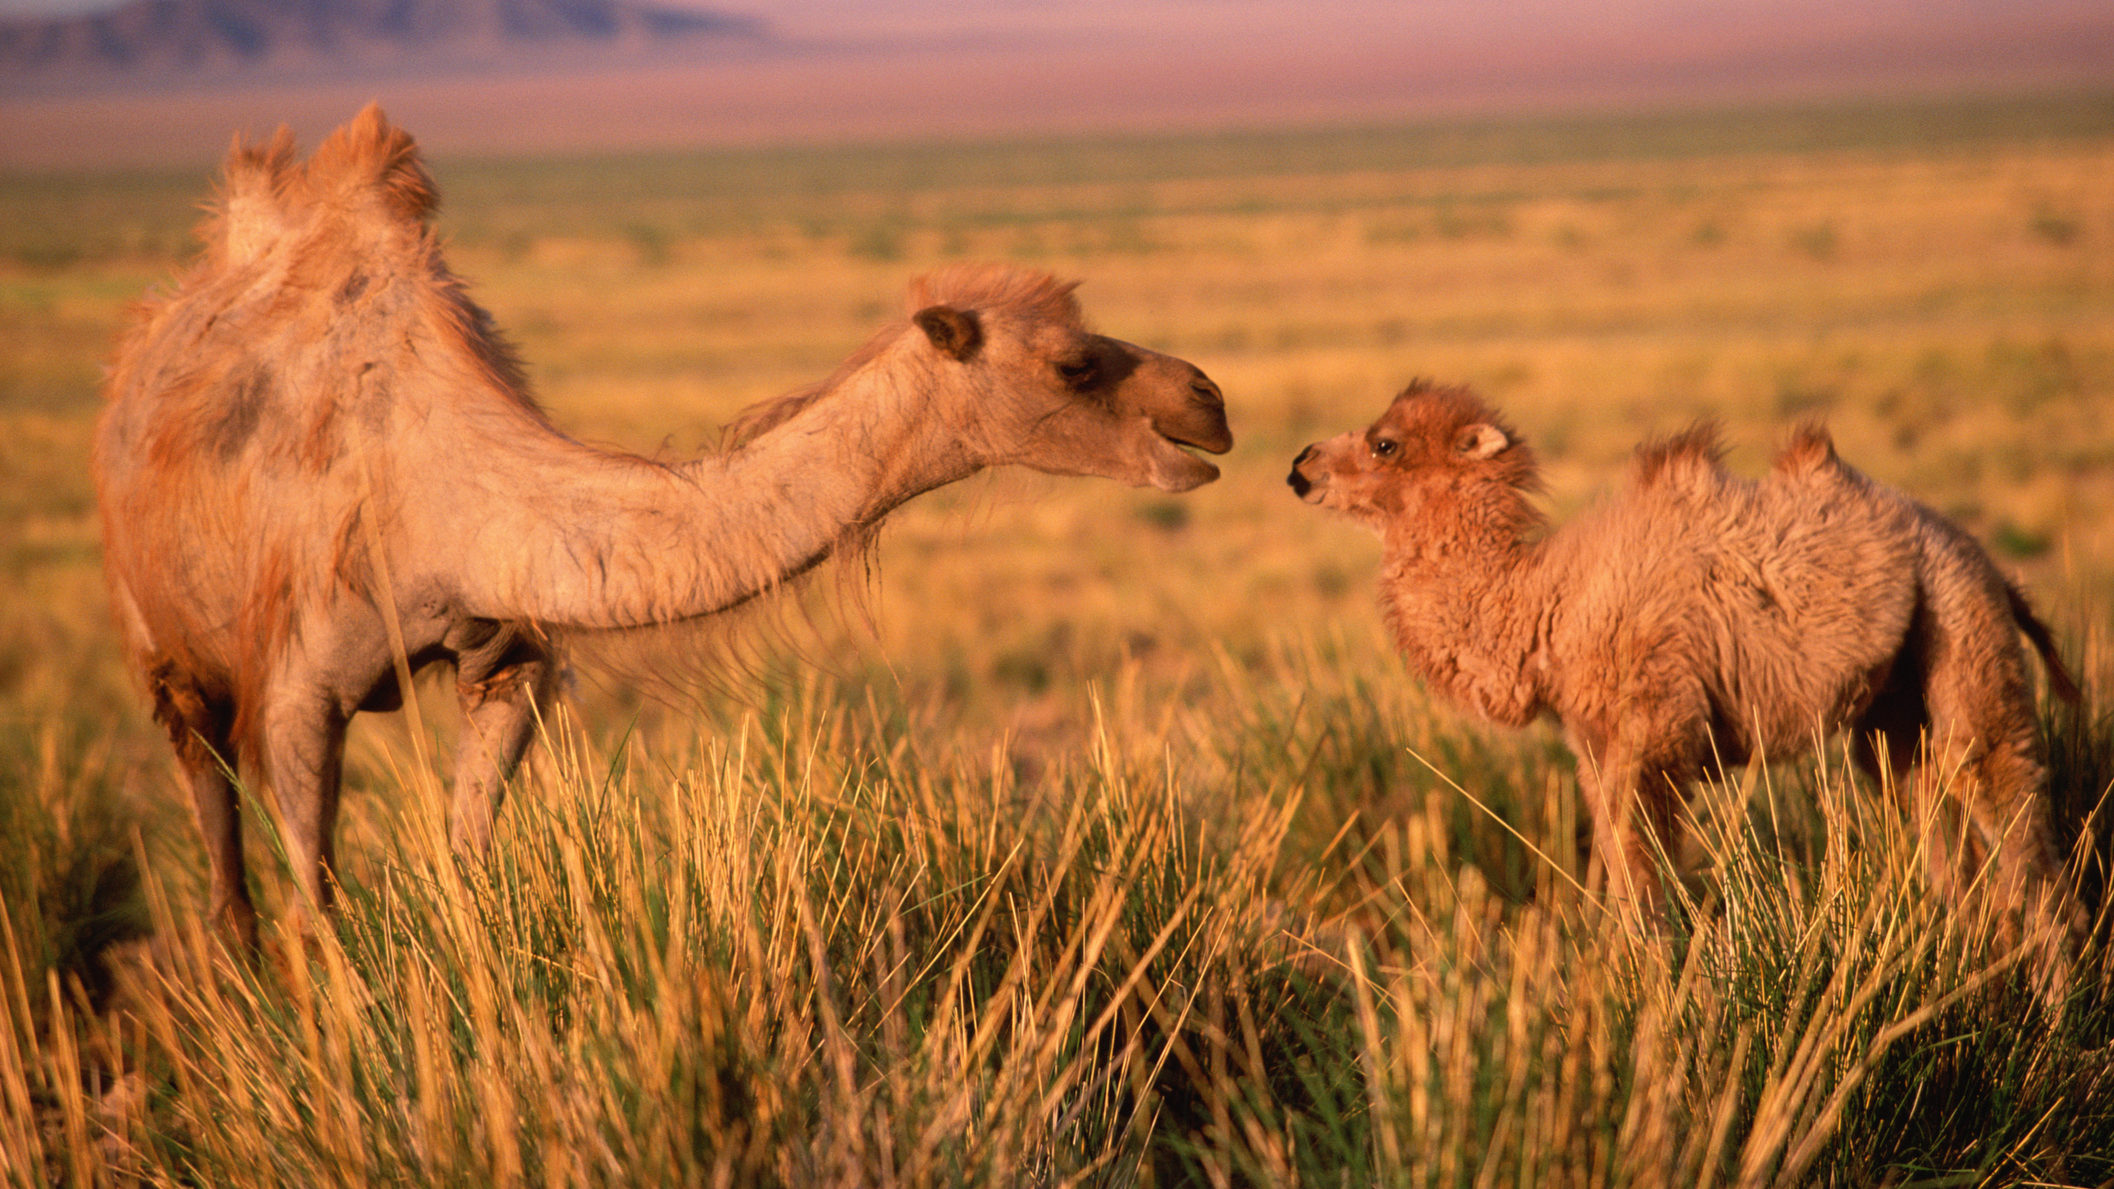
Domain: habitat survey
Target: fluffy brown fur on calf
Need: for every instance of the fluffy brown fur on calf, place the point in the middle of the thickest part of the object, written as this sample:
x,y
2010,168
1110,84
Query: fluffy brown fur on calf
x,y
1698,618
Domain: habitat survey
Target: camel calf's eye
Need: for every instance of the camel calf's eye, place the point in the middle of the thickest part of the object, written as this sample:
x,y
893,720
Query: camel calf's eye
x,y
1385,448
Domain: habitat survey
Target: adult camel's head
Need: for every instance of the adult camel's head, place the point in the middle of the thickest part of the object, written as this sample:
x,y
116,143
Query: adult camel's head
x,y
1004,360
1063,399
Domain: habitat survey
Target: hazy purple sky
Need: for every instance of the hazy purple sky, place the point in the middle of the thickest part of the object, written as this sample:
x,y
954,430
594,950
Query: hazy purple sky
x,y
860,69
1545,32
953,17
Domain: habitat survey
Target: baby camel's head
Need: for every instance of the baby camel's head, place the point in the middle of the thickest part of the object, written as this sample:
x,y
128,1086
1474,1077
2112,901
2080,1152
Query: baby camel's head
x,y
1438,455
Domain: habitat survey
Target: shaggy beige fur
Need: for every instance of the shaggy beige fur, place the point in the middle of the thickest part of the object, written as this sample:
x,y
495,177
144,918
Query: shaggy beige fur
x,y
319,469
1698,618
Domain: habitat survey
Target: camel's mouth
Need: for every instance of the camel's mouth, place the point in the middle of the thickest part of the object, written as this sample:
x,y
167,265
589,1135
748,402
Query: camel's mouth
x,y
1174,468
1179,422
1175,465
1189,445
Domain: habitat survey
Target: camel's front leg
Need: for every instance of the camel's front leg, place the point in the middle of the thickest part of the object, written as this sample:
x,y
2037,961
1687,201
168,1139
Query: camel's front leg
x,y
304,751
1619,844
1635,805
504,691
202,732
219,810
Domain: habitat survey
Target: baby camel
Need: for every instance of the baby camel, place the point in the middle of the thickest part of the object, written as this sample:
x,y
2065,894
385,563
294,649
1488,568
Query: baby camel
x,y
1698,618
319,470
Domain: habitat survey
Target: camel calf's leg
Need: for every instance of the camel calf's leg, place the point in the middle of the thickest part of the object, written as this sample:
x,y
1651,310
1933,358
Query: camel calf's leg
x,y
1636,821
501,702
2007,847
1985,736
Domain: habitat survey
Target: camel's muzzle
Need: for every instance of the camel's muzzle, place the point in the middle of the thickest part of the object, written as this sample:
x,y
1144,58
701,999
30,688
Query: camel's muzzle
x,y
1299,483
1200,423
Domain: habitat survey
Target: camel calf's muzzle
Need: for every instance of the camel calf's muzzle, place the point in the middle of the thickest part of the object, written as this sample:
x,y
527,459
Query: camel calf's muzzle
x,y
1298,481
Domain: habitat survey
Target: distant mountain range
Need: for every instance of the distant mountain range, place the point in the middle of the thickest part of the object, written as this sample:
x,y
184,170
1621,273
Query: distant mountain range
x,y
171,41
163,81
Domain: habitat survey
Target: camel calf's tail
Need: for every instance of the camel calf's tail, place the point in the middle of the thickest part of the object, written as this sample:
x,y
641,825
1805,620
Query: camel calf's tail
x,y
2059,679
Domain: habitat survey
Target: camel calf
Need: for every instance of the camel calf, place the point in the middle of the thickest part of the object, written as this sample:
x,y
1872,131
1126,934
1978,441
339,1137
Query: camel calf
x,y
1698,618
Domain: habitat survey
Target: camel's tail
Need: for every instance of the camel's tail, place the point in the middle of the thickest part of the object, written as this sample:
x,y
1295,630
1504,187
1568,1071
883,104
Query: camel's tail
x,y
2059,678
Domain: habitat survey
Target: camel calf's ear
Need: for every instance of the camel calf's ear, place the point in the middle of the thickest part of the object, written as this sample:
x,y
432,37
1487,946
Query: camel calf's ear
x,y
953,331
1481,441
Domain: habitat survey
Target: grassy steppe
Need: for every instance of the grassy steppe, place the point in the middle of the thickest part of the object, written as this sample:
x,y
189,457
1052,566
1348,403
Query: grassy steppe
x,y
1110,842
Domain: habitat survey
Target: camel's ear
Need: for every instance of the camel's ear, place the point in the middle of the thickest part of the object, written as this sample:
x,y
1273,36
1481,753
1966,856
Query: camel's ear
x,y
956,332
1481,441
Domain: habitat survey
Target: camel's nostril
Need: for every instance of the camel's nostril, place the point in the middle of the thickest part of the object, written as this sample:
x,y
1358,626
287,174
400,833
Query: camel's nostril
x,y
1299,483
1207,390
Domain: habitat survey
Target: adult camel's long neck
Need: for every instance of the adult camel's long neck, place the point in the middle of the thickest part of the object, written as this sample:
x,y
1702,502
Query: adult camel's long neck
x,y
572,537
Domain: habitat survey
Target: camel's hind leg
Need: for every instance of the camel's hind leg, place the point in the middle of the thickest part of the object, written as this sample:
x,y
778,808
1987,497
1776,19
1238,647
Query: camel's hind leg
x,y
1985,746
202,731
1891,744
2006,844
504,691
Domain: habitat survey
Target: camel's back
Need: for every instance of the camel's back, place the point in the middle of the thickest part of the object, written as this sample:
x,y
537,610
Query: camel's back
x,y
1787,595
320,301
251,411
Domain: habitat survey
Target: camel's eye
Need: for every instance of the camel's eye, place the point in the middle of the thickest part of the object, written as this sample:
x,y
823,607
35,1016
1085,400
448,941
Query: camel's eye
x,y
1081,372
1385,447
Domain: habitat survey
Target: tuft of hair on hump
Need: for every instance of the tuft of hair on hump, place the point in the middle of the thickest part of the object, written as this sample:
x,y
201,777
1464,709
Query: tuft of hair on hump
x,y
1695,450
265,194
370,155
248,211
998,287
1810,448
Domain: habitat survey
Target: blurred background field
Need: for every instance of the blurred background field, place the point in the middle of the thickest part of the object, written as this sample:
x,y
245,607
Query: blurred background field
x,y
1936,280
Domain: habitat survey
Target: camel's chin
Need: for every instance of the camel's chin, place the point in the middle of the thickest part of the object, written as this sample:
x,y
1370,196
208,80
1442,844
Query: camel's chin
x,y
1175,469
1321,495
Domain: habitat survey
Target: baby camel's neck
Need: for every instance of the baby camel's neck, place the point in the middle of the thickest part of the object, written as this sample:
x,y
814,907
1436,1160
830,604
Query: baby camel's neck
x,y
1471,613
